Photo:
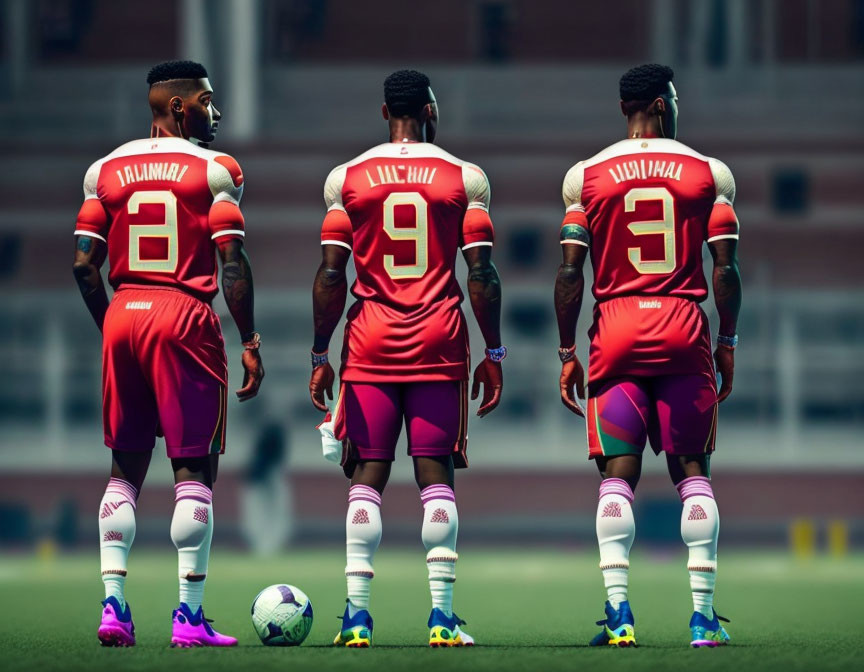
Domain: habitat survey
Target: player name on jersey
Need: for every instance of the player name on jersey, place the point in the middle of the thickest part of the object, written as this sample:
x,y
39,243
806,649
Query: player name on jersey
x,y
400,174
642,170
140,172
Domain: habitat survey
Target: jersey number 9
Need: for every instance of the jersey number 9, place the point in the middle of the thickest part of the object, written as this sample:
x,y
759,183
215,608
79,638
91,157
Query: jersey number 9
x,y
418,234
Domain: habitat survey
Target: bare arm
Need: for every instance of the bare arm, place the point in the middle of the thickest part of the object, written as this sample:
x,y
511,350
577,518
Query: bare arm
x,y
89,256
569,290
329,293
726,280
484,291
237,289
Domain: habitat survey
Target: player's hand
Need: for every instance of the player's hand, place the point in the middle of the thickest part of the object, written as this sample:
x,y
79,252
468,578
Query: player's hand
x,y
488,373
252,376
321,382
725,359
573,375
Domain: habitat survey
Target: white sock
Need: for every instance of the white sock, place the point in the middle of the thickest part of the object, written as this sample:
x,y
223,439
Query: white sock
x,y
700,527
615,532
192,532
116,534
362,536
440,528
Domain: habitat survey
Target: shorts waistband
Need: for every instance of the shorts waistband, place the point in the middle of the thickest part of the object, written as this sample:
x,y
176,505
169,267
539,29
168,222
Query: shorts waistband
x,y
161,288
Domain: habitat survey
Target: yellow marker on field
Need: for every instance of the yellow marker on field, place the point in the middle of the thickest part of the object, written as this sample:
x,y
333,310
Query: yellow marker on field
x,y
802,537
838,538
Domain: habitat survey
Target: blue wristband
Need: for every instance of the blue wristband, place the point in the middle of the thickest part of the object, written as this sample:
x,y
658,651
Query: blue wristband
x,y
496,354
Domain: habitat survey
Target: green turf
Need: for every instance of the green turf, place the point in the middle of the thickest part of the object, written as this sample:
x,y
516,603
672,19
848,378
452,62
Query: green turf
x,y
529,610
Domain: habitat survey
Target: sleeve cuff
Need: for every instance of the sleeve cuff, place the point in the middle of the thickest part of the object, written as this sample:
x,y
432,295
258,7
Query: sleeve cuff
x,y
480,243
228,232
336,242
82,232
574,242
724,236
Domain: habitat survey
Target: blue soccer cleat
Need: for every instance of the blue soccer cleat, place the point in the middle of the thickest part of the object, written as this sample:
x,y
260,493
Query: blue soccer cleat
x,y
617,627
356,632
707,633
444,631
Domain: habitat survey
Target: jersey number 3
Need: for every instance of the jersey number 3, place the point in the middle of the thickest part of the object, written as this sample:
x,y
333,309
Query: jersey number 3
x,y
418,234
167,230
664,227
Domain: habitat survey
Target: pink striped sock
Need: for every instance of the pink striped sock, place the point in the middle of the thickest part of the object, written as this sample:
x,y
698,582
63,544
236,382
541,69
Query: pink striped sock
x,y
693,486
193,490
437,492
616,486
364,493
117,486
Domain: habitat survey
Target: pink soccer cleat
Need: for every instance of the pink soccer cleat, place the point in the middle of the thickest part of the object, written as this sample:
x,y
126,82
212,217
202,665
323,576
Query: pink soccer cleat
x,y
194,630
117,628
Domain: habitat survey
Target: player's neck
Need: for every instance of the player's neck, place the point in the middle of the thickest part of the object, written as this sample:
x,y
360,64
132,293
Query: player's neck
x,y
643,126
406,130
162,129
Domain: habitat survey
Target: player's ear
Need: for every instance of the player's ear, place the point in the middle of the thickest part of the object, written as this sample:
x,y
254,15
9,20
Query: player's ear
x,y
385,112
659,106
176,107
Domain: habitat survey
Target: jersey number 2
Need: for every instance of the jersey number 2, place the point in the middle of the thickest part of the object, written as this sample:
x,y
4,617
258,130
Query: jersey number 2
x,y
664,227
418,234
167,230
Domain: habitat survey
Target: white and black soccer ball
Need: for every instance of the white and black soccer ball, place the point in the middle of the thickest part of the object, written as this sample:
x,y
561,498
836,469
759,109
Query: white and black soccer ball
x,y
282,615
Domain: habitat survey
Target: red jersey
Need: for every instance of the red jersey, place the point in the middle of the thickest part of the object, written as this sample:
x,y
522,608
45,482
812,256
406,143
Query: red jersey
x,y
405,209
161,204
645,207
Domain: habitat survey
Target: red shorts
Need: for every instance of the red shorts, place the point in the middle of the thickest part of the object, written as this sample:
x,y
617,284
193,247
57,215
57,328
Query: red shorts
x,y
370,416
648,336
678,414
163,366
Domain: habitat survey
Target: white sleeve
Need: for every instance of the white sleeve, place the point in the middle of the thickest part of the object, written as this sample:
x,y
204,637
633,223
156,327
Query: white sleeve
x,y
724,183
333,189
222,182
476,187
571,191
91,178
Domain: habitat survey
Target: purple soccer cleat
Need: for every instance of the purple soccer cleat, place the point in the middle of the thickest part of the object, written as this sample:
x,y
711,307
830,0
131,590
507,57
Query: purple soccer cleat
x,y
194,630
117,628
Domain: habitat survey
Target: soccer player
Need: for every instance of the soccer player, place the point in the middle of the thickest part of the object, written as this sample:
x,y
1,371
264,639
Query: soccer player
x,y
160,209
404,208
643,207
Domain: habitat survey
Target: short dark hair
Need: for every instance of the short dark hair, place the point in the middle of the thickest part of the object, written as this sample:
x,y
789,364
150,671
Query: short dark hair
x,y
644,83
406,92
175,70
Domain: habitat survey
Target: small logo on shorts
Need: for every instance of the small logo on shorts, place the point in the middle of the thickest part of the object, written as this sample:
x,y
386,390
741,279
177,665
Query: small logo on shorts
x,y
139,305
650,304
697,513
439,516
361,517
611,510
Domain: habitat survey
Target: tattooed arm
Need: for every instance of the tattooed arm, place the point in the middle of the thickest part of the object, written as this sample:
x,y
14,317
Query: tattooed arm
x,y
238,291
89,256
726,280
569,290
329,293
484,291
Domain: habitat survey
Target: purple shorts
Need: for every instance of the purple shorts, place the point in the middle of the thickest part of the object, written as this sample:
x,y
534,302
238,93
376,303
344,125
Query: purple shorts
x,y
677,414
370,416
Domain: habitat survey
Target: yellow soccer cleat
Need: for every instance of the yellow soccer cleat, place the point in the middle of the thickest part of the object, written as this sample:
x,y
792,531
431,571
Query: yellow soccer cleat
x,y
444,631
356,632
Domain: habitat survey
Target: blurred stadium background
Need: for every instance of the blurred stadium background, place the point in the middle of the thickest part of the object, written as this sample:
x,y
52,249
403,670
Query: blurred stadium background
x,y
526,88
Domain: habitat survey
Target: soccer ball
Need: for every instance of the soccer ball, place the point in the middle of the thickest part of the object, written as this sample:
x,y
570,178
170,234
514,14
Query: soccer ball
x,y
282,615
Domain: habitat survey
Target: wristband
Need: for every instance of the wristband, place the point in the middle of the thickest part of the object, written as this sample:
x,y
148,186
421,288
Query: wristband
x,y
727,341
319,359
253,342
496,354
567,354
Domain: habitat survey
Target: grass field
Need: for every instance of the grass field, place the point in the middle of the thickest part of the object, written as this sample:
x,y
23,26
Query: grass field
x,y
528,610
